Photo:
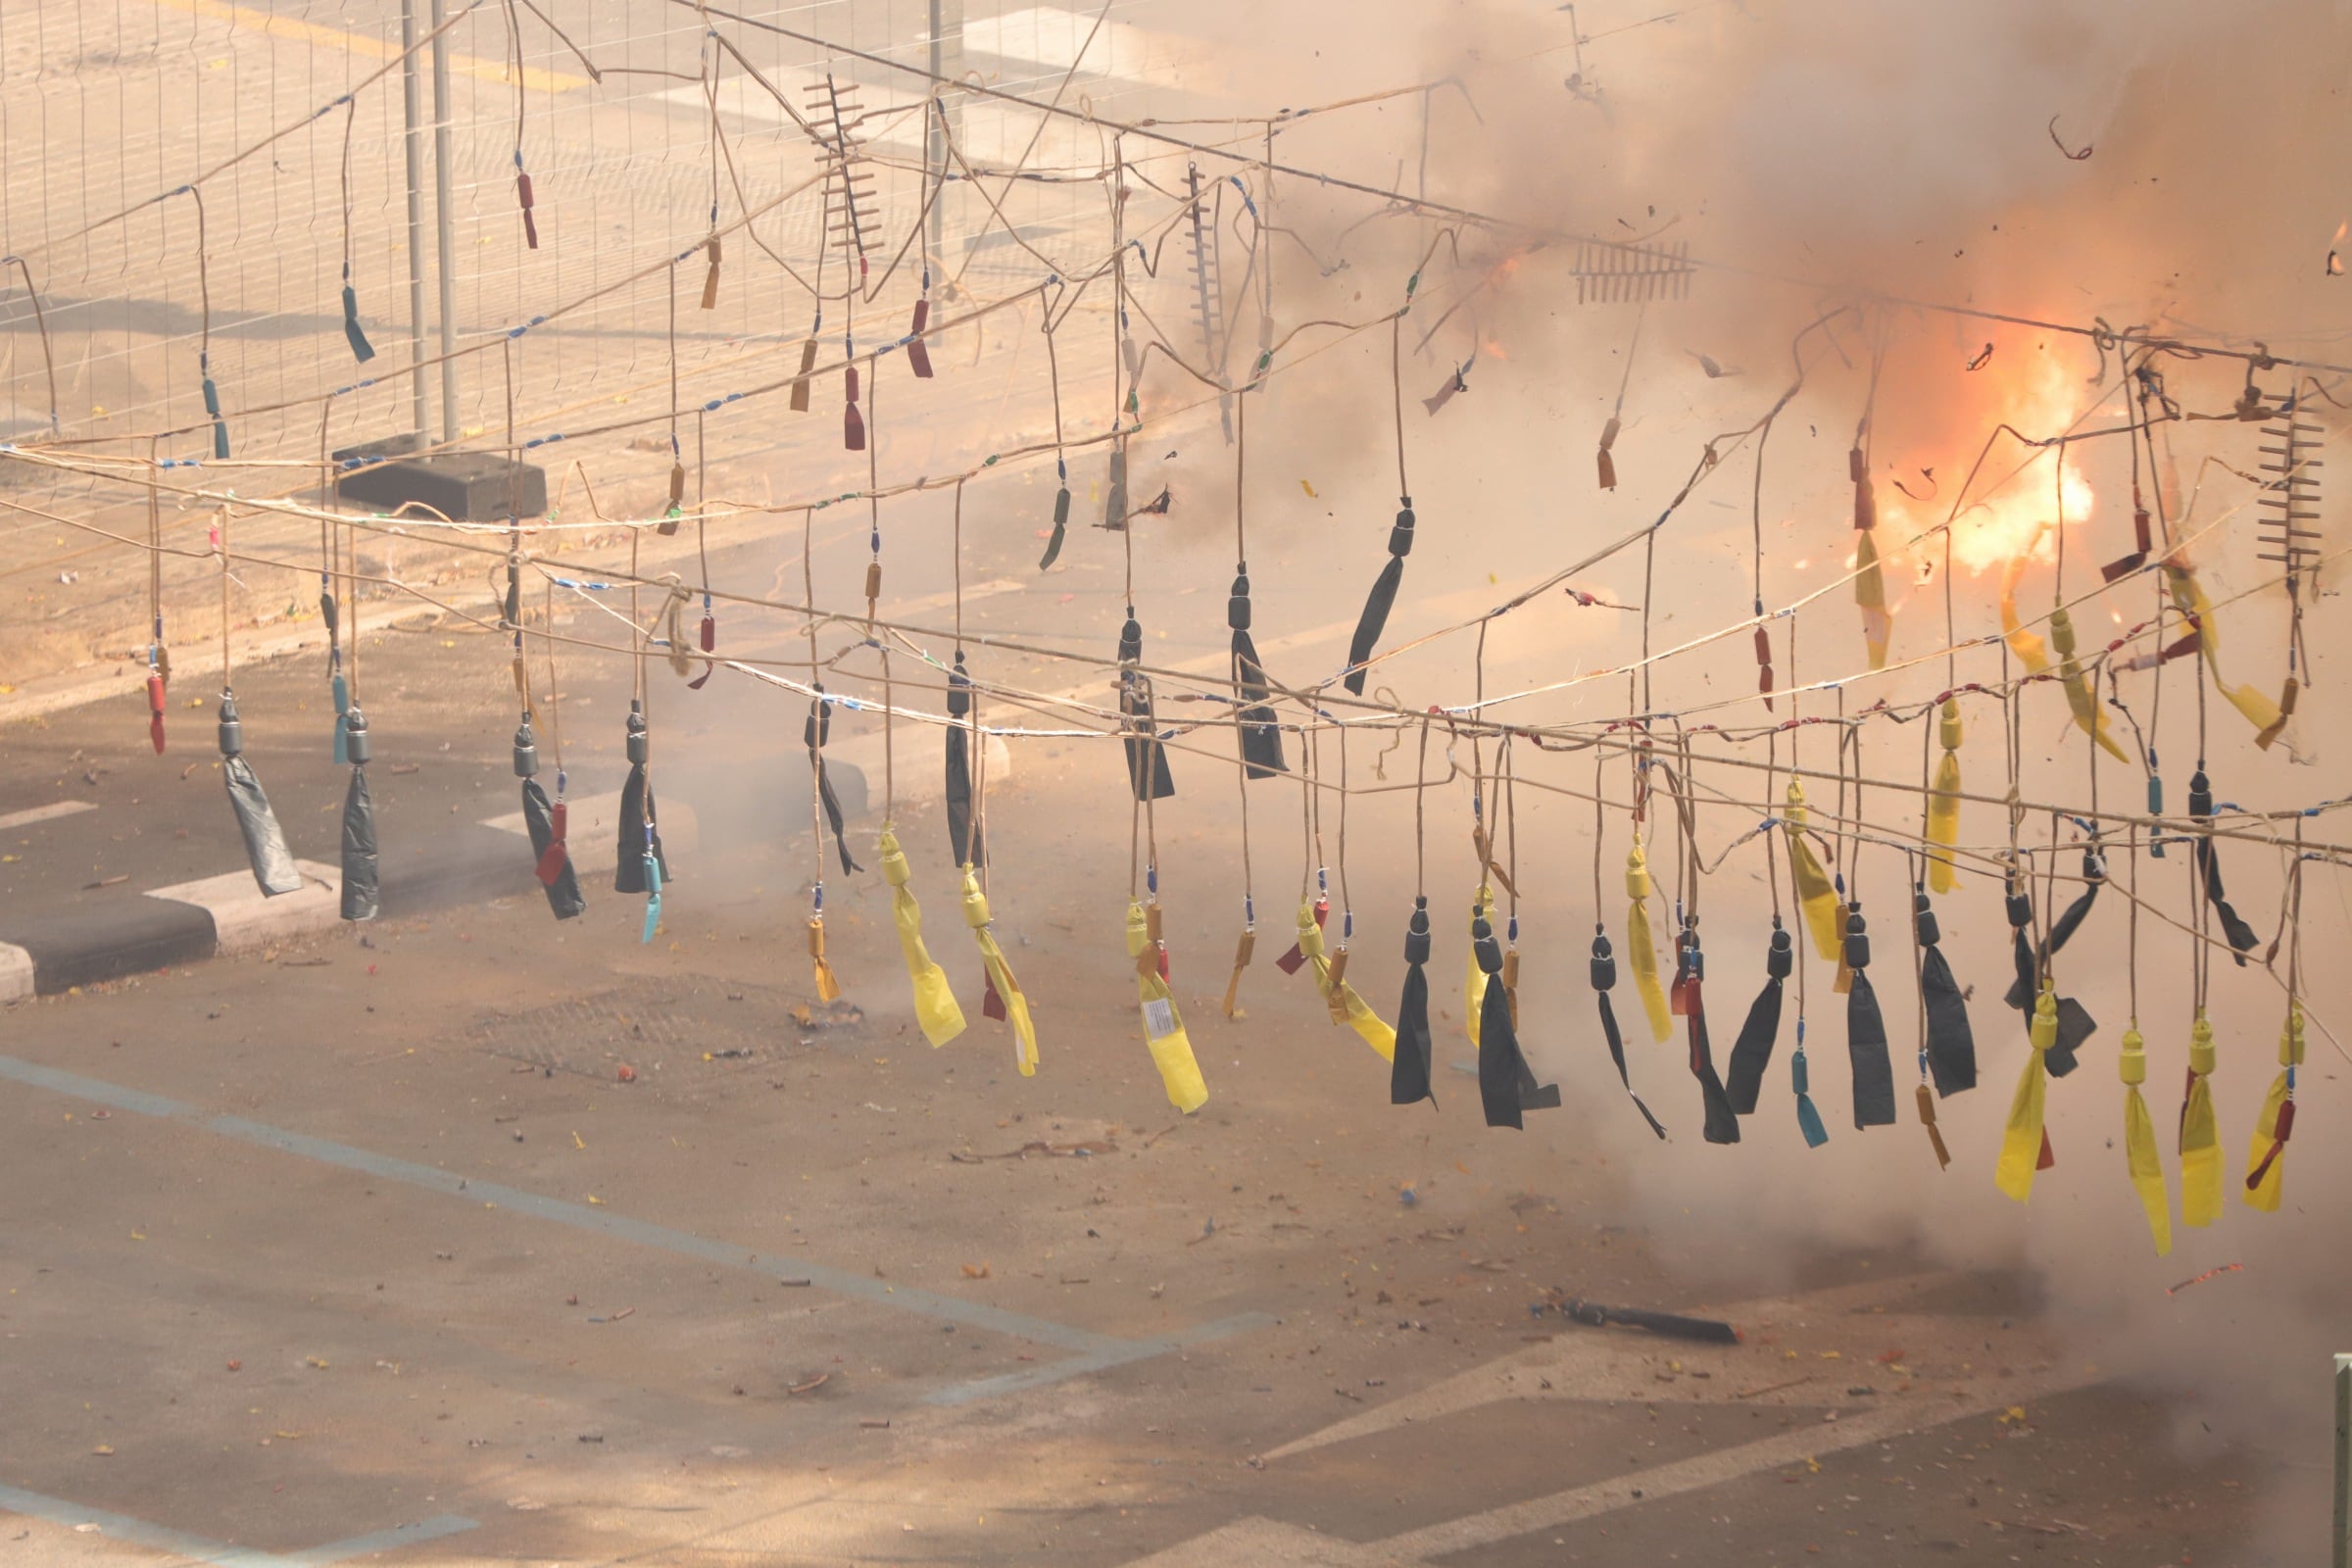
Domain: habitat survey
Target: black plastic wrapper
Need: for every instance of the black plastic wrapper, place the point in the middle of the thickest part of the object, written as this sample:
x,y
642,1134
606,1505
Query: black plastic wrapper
x,y
1147,759
967,839
2240,935
1950,1043
1382,599
1261,739
2070,920
1409,1068
1506,1084
539,820
1722,1124
2075,1026
1604,978
358,850
1752,1053
637,811
272,862
273,867
1866,1032
815,733
1061,527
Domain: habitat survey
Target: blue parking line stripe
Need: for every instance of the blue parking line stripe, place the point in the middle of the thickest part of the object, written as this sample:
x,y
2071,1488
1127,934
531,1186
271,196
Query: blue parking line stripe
x,y
597,1221
1102,1360
392,1539
219,1553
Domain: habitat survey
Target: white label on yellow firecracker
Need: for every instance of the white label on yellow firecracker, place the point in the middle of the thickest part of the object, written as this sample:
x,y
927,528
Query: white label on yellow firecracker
x,y
1159,1019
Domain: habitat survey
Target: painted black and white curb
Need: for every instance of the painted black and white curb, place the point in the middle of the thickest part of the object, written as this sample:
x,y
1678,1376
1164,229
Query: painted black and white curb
x,y
227,913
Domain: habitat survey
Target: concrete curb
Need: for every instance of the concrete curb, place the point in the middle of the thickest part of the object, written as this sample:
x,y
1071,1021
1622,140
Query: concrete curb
x,y
44,954
195,920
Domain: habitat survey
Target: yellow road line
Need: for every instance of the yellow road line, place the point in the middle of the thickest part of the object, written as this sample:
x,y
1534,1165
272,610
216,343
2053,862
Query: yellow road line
x,y
367,48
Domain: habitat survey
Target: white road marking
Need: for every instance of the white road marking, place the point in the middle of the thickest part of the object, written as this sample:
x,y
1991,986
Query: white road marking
x,y
1259,1541
1266,1543
1583,1363
16,973
45,814
1723,1464
919,761
592,827
179,1543
1623,1366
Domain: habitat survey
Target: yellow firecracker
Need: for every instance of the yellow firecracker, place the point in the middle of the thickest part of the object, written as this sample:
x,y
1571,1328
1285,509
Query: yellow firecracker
x,y
1163,1026
1640,945
1870,596
2266,1160
2140,1158
2022,1134
934,1005
1825,916
1944,802
2200,1138
1000,974
1358,1013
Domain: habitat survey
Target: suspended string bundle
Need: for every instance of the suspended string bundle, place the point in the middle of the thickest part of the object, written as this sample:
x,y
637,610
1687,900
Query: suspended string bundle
x,y
1281,726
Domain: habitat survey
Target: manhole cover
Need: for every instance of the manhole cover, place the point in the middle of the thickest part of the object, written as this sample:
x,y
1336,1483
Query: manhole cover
x,y
647,1024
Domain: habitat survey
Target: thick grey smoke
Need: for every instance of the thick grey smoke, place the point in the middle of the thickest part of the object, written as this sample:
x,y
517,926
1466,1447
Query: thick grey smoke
x,y
1884,155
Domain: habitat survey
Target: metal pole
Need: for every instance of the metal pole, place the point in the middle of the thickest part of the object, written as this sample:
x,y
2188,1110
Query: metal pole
x,y
443,222
414,117
946,59
935,137
2339,1539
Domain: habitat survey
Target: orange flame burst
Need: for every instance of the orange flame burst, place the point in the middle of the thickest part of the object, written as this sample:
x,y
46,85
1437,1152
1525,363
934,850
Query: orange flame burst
x,y
2011,504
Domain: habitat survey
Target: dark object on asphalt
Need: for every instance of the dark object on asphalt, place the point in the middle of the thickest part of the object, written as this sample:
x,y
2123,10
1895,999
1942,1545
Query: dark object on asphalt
x,y
1672,1325
462,486
273,867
